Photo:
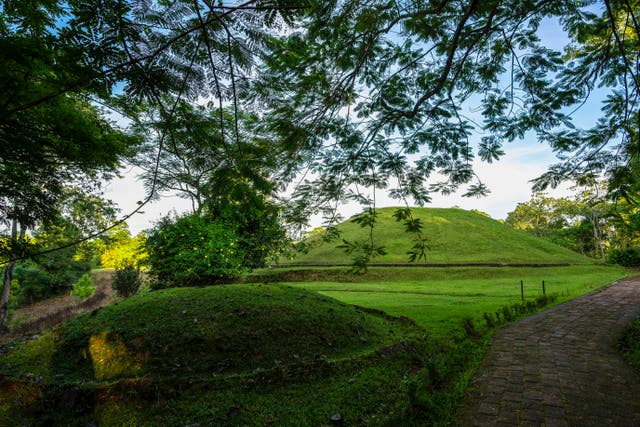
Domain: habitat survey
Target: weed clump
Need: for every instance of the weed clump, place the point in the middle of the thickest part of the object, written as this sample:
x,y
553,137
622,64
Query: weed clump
x,y
469,328
489,320
511,312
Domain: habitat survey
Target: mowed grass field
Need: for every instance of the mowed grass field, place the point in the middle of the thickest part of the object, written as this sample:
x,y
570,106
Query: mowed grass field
x,y
439,298
453,236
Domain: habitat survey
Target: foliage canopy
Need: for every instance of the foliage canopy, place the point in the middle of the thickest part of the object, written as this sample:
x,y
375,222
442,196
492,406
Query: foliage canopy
x,y
192,250
351,94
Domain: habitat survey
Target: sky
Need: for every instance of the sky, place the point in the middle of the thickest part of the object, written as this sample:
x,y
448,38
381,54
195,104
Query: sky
x,y
508,179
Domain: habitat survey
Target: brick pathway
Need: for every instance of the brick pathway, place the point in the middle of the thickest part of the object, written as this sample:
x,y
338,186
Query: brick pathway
x,y
560,367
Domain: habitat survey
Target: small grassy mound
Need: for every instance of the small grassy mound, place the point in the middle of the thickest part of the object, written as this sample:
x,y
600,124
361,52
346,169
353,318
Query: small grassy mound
x,y
197,332
453,235
223,355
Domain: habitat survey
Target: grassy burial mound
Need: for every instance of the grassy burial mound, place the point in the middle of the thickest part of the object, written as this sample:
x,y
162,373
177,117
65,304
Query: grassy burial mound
x,y
454,236
236,354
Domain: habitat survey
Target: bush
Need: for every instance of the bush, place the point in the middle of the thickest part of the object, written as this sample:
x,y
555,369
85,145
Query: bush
x,y
627,257
257,225
126,281
35,284
38,282
83,287
193,250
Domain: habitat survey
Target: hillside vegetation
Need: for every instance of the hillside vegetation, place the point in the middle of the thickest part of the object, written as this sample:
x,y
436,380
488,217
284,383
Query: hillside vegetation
x,y
453,235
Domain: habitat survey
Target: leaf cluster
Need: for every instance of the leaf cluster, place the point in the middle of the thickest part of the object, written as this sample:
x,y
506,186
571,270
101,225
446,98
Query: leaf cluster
x,y
192,250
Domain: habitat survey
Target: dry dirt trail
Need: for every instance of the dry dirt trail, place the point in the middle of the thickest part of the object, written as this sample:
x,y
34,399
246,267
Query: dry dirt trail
x,y
45,314
560,367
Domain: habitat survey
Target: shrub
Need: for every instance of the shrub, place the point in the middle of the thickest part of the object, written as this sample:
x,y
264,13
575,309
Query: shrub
x,y
35,284
256,223
126,281
83,287
192,250
627,257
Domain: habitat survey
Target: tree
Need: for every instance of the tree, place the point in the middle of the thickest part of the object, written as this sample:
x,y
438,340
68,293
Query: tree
x,y
63,57
365,85
230,181
373,94
54,270
539,216
50,135
197,152
122,250
564,221
361,94
587,223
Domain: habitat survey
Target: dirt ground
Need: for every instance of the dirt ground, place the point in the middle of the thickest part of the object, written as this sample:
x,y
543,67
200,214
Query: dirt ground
x,y
46,314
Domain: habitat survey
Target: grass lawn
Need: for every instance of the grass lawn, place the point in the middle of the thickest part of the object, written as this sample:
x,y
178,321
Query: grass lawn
x,y
439,298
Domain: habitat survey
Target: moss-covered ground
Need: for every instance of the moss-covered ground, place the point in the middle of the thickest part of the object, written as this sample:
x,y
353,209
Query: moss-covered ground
x,y
234,354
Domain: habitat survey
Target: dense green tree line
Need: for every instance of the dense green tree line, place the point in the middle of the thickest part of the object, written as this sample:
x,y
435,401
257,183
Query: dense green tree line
x,y
588,222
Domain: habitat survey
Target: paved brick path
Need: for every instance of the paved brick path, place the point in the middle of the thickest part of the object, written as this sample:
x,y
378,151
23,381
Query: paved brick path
x,y
560,367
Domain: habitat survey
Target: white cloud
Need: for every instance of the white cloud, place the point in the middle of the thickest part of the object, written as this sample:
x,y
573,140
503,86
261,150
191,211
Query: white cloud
x,y
508,179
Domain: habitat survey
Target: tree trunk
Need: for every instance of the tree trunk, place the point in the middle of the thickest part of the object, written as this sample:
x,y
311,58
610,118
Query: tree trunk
x,y
8,275
4,298
596,234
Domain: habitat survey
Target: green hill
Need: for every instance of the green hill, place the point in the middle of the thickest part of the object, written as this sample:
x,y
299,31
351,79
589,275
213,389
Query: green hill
x,y
454,236
197,331
222,355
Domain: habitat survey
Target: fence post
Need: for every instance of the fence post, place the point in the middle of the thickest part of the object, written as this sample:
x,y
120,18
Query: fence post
x,y
543,289
522,289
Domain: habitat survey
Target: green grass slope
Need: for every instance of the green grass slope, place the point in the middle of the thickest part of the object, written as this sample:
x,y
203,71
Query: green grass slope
x,y
199,331
454,236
